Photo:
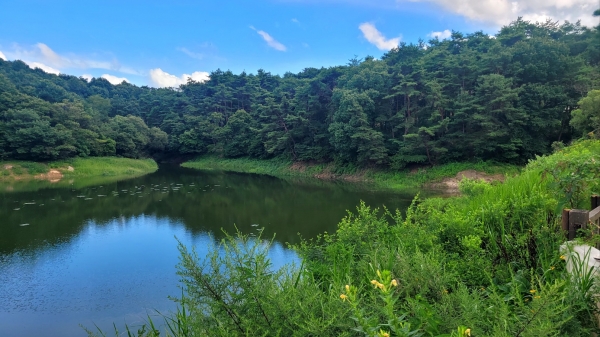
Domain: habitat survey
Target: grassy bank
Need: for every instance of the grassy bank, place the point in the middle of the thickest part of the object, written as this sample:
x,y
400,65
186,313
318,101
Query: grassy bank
x,y
79,168
404,179
106,167
486,263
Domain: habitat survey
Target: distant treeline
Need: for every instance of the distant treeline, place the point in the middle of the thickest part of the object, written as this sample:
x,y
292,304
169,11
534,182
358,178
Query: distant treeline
x,y
506,97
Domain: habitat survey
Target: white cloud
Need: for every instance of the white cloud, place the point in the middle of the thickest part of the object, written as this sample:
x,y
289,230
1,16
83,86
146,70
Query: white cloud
x,y
2,56
441,35
44,67
270,40
502,12
294,20
114,79
375,37
87,77
43,54
198,56
163,79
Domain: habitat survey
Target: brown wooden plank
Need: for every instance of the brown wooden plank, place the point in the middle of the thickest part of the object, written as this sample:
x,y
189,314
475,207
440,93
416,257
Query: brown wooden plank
x,y
594,214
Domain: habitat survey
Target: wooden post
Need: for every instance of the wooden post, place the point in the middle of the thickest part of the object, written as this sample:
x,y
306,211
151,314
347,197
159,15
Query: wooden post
x,y
578,219
594,220
595,201
565,222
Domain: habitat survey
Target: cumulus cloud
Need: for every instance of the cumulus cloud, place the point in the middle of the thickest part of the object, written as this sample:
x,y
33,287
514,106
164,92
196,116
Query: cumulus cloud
x,y
270,40
44,67
376,38
441,35
2,56
87,77
43,54
502,12
114,80
163,79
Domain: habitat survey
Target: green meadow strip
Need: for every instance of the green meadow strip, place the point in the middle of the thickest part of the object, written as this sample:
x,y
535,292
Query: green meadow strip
x,y
381,178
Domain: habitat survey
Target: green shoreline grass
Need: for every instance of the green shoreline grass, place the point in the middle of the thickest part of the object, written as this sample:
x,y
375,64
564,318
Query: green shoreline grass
x,y
106,167
387,179
85,171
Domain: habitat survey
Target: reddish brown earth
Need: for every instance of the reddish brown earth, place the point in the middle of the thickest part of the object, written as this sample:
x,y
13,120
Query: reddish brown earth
x,y
451,184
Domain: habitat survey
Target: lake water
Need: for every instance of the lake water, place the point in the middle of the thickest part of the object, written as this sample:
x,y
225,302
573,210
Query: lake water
x,y
108,253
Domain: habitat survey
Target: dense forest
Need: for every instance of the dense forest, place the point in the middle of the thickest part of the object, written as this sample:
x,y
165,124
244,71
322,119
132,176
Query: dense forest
x,y
506,97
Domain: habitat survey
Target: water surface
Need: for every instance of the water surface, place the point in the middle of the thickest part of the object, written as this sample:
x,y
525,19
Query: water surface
x,y
108,253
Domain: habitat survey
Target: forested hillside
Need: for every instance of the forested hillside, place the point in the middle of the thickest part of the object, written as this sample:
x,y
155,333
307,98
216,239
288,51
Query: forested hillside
x,y
506,97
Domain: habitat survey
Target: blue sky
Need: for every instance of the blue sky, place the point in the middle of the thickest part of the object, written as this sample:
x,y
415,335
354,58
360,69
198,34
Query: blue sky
x,y
161,43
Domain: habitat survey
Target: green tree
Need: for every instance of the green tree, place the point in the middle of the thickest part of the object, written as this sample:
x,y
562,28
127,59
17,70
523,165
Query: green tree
x,y
586,119
351,136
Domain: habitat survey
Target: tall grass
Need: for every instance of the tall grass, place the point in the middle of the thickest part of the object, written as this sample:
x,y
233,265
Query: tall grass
x,y
275,167
21,168
106,166
84,172
389,179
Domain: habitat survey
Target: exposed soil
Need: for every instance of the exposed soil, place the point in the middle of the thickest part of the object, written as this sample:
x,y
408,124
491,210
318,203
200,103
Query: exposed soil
x,y
450,185
53,176
299,166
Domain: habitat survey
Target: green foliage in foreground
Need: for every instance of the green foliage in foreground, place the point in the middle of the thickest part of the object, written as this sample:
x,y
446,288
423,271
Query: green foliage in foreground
x,y
484,264
382,178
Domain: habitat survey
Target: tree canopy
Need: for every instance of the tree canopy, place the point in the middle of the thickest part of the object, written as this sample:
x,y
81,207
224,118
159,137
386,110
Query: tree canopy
x,y
474,96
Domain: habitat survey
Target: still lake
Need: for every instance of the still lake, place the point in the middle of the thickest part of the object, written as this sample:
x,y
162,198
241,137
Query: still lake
x,y
108,253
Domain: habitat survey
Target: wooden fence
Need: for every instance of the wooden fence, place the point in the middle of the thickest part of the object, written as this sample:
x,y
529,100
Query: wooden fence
x,y
576,219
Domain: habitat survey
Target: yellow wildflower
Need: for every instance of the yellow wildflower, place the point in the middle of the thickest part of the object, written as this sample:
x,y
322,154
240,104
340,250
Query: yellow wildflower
x,y
383,333
537,297
377,284
468,332
562,257
532,291
347,288
394,283
343,297
551,267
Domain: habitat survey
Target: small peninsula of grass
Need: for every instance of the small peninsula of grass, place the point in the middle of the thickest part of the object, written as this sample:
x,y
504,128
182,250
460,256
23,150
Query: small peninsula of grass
x,y
77,168
389,179
107,167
